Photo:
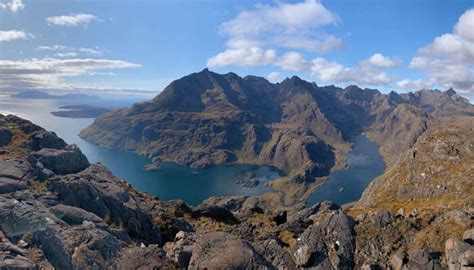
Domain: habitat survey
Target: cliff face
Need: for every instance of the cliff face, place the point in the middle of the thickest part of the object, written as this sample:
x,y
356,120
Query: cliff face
x,y
399,130
206,118
58,211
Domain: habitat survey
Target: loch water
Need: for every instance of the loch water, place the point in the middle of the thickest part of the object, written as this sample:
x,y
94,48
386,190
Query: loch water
x,y
346,185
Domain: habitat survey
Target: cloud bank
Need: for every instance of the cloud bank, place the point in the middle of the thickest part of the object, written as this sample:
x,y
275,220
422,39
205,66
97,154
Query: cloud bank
x,y
50,72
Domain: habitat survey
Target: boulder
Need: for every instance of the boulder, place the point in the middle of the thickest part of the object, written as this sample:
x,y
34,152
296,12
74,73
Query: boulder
x,y
98,191
422,260
458,254
317,208
382,218
231,203
180,250
398,260
468,236
218,250
327,245
14,169
46,139
8,185
58,161
74,215
139,257
65,247
276,254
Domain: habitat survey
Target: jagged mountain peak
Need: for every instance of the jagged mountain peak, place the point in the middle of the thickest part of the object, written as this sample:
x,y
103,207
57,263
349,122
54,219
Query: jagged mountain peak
x,y
450,92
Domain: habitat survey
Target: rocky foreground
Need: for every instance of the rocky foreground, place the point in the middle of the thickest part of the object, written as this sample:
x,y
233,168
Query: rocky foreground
x,y
59,211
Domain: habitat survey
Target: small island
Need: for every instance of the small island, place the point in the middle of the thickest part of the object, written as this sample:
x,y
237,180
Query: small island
x,y
81,111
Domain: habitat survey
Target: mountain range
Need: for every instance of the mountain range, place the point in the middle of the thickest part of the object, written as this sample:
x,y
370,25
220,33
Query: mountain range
x,y
206,119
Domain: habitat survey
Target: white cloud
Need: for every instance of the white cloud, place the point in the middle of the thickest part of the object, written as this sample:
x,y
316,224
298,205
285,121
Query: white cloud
x,y
367,72
50,72
68,54
71,50
412,85
449,60
322,45
52,48
292,26
243,57
282,18
13,35
333,72
72,19
465,25
13,6
292,61
90,51
382,61
246,57
273,76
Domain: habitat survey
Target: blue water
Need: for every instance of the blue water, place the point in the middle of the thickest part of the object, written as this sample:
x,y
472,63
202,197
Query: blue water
x,y
172,181
346,185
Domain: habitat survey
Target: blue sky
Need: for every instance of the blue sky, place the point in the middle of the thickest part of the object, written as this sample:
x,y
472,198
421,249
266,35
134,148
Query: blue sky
x,y
144,45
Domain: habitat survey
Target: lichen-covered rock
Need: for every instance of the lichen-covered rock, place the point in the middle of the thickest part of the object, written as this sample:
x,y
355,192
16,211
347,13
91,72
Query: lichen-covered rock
x,y
98,191
14,257
65,247
180,250
46,139
14,169
327,245
422,260
459,254
74,215
139,257
47,162
276,254
217,250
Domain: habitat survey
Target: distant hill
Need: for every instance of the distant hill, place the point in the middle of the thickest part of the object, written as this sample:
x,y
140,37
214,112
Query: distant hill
x,y
44,95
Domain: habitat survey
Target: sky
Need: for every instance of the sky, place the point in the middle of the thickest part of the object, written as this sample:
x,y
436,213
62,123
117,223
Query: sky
x,y
142,45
